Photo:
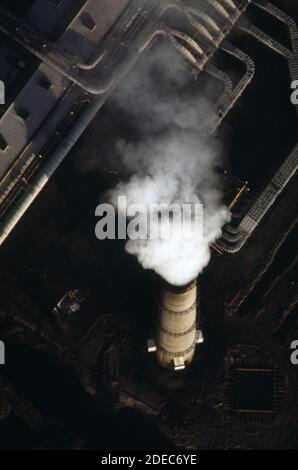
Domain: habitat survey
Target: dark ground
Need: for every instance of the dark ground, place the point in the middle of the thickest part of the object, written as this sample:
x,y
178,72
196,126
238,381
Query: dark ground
x,y
79,383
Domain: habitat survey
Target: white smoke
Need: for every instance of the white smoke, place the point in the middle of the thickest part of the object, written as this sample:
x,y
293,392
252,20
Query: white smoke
x,y
169,161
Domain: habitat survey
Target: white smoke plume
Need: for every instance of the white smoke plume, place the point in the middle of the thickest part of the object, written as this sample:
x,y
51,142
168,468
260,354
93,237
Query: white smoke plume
x,y
169,161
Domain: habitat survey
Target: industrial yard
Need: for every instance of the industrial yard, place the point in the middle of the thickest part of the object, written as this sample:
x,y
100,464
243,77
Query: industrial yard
x,y
76,313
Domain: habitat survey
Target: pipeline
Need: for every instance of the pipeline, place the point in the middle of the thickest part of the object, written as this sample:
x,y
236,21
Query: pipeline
x,y
208,21
191,42
265,39
171,34
230,4
53,62
74,134
61,64
243,83
187,55
68,70
203,32
283,17
201,29
219,8
91,65
261,206
102,85
103,89
224,100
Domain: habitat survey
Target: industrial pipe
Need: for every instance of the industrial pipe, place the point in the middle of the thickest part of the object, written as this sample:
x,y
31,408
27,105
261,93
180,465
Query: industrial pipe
x,y
176,329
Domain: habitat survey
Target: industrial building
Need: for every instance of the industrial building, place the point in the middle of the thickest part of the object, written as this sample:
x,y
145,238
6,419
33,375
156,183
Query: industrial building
x,y
62,59
74,313
60,76
45,112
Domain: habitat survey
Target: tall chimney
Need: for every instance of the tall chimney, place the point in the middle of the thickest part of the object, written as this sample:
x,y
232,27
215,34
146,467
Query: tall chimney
x,y
176,333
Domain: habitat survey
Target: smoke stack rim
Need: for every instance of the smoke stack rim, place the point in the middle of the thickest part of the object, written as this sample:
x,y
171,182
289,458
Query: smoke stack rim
x,y
176,289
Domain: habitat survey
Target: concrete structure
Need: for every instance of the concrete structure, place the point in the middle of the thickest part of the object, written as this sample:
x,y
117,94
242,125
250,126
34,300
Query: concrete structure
x,y
176,333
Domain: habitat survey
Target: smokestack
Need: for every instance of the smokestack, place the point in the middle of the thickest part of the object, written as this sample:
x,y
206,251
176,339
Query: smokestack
x,y
177,330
